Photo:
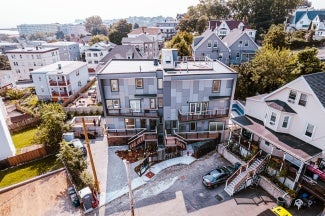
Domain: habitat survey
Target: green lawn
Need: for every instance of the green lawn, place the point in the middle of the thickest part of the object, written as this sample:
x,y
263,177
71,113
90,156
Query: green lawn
x,y
23,139
21,173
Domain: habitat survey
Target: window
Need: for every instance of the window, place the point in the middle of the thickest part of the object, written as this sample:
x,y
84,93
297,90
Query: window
x,y
114,85
240,43
79,83
135,105
215,44
160,102
246,43
209,44
198,108
237,55
113,104
139,83
220,56
273,118
309,130
88,54
216,86
292,96
303,100
160,83
95,55
152,103
90,62
39,78
95,62
129,123
77,73
205,106
193,126
168,60
216,126
285,122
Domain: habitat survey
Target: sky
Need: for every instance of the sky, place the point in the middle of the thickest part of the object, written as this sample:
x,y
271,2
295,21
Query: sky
x,y
16,12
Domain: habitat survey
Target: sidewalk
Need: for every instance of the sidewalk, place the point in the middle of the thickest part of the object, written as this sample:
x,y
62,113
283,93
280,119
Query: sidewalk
x,y
138,182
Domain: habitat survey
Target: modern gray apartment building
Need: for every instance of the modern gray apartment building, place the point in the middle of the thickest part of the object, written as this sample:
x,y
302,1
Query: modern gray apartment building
x,y
168,106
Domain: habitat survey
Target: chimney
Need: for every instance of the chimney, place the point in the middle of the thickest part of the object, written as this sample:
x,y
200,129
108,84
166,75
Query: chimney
x,y
59,66
155,62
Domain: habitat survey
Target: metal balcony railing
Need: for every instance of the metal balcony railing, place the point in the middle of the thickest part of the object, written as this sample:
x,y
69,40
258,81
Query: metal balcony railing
x,y
209,114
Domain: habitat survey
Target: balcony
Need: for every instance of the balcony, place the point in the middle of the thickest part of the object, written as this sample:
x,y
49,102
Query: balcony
x,y
198,136
209,114
128,112
59,83
59,94
316,188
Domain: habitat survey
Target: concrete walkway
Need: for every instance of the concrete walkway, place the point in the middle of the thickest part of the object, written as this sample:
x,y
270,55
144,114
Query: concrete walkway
x,y
138,182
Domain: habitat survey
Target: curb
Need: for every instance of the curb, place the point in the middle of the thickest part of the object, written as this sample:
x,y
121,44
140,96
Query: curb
x,y
3,190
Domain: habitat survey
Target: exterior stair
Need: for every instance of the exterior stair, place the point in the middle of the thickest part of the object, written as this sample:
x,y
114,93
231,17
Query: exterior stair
x,y
249,170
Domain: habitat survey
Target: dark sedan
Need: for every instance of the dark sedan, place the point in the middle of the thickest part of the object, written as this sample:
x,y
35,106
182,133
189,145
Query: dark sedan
x,y
218,176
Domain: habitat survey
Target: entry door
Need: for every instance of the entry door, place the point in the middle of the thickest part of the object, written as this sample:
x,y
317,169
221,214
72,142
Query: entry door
x,y
143,123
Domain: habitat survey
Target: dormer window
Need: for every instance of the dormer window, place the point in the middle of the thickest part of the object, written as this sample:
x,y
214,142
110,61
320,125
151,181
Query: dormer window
x,y
273,118
292,96
303,100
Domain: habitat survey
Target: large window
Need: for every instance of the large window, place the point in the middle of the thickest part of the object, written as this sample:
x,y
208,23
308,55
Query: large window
x,y
273,118
209,44
160,102
160,83
303,100
285,122
215,44
309,130
114,85
135,105
113,103
193,126
216,86
216,126
129,123
139,83
292,96
152,103
199,108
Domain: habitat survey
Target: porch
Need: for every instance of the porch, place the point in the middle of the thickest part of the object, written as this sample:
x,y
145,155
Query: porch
x,y
128,112
203,115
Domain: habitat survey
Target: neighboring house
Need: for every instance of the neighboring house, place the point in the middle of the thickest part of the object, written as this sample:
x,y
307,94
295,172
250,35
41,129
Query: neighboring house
x,y
59,81
224,27
122,52
6,46
172,104
6,145
6,79
145,45
286,125
302,18
153,33
242,47
319,27
68,51
168,28
210,45
95,53
27,29
25,60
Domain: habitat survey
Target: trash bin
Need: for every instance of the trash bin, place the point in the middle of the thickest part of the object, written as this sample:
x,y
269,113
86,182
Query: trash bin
x,y
281,201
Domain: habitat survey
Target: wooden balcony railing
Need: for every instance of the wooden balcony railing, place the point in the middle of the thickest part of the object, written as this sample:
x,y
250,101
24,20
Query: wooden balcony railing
x,y
152,113
146,136
201,135
209,114
61,94
59,83
316,188
123,132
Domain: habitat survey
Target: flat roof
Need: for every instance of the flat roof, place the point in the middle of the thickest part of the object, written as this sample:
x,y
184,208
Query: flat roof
x,y
59,43
66,67
32,50
286,142
182,68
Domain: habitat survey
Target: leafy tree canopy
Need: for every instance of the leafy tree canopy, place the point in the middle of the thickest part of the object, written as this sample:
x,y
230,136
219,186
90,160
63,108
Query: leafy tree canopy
x,y
182,41
119,30
275,37
98,38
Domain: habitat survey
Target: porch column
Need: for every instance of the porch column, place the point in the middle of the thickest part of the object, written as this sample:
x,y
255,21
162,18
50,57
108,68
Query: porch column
x,y
241,132
298,174
272,149
283,159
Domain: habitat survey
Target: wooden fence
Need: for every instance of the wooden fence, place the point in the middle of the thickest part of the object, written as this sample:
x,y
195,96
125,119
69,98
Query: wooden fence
x,y
19,126
27,156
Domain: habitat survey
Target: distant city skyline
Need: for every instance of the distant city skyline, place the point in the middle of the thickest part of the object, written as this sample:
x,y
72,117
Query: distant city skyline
x,y
16,12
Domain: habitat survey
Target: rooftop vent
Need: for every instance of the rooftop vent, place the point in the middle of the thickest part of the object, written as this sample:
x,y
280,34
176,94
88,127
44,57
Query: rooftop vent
x,y
59,66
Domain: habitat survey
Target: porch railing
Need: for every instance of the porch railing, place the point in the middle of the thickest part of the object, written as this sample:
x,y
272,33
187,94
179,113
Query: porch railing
x,y
313,187
201,135
123,132
141,137
208,114
152,113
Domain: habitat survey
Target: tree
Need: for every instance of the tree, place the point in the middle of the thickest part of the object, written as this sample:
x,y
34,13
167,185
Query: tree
x,y
98,38
102,29
245,86
119,30
51,128
136,25
275,37
308,62
59,35
4,63
201,24
93,24
182,41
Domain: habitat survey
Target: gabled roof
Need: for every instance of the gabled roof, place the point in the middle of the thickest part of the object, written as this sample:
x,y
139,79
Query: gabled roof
x,y
316,81
205,36
321,18
280,105
122,52
235,35
146,30
139,39
311,14
233,24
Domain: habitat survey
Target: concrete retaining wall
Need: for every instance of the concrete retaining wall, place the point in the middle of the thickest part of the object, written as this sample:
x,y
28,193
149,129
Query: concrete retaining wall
x,y
229,156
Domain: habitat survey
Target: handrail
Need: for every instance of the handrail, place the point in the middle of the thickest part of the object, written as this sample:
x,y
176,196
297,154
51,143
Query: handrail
x,y
137,134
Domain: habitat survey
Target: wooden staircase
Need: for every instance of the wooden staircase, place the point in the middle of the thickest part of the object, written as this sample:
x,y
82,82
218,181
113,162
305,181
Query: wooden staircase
x,y
238,180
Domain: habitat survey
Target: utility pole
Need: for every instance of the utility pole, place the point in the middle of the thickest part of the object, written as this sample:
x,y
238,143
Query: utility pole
x,y
127,168
90,155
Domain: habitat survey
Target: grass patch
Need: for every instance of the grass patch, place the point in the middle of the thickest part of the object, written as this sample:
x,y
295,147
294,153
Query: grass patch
x,y
21,173
23,139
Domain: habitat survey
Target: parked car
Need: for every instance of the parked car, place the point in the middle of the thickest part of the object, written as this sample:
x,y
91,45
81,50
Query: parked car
x,y
89,200
76,143
218,175
275,211
73,196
